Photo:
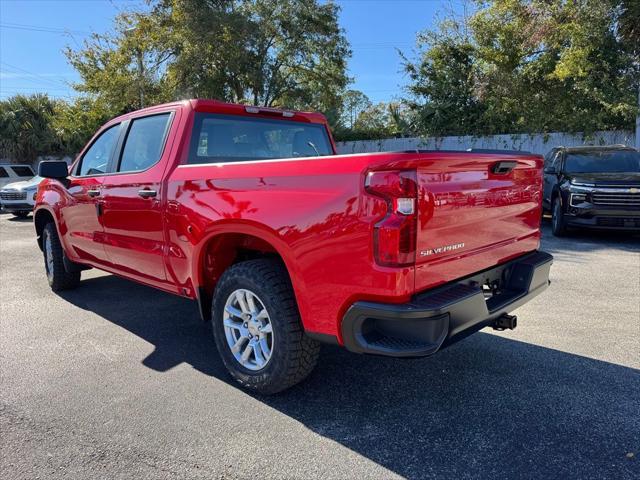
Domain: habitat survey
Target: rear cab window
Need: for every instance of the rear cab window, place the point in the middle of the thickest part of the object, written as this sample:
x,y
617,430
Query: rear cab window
x,y
230,138
3,173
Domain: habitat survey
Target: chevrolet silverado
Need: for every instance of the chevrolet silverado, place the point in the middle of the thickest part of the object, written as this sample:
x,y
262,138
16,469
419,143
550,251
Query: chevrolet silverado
x,y
284,244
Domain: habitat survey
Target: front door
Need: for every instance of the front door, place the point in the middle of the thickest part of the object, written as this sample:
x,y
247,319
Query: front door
x,y
132,200
82,230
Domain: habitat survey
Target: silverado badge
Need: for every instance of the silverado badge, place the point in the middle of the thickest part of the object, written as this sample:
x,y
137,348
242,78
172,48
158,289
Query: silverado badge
x,y
446,248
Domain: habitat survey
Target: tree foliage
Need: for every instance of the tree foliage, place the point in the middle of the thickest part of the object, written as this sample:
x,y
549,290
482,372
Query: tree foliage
x,y
35,125
25,127
375,121
283,53
529,66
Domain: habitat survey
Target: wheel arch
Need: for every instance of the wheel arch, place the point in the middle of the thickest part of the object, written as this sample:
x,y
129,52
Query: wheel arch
x,y
230,244
41,217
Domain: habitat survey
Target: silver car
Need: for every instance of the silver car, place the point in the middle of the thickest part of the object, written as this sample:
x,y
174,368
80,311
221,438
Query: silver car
x,y
18,198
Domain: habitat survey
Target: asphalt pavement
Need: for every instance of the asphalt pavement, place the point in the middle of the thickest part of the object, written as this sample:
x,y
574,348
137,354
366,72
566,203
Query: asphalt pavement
x,y
117,380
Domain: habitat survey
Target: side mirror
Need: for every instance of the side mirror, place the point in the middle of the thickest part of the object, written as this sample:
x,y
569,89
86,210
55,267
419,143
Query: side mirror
x,y
57,169
550,171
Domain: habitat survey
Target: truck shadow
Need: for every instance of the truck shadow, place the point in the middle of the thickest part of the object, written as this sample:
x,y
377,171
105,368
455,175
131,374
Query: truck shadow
x,y
486,407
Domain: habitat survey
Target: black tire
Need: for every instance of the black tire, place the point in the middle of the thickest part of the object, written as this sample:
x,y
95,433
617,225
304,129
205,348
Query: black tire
x,y
294,355
558,223
21,214
57,275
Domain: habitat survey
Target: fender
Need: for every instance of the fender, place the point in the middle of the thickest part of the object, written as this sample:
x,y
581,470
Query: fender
x,y
50,200
254,229
39,210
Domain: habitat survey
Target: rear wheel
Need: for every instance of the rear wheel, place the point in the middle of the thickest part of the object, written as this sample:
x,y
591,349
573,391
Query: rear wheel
x,y
558,224
257,328
57,275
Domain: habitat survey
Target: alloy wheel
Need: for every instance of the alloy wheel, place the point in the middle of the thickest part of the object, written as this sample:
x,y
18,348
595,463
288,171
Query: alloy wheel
x,y
248,329
48,256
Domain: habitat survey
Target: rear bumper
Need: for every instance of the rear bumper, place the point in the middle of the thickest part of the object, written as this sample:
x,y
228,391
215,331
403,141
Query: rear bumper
x,y
442,316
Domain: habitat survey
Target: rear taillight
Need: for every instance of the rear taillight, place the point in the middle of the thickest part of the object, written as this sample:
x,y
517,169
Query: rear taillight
x,y
394,237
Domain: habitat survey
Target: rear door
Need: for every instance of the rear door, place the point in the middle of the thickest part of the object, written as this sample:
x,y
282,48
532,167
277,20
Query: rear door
x,y
132,198
82,224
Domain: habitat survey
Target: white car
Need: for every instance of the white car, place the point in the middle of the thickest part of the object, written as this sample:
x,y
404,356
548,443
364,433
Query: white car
x,y
10,173
18,198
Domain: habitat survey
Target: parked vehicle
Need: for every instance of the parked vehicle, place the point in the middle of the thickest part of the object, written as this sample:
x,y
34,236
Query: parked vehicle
x,y
10,173
19,197
592,187
284,244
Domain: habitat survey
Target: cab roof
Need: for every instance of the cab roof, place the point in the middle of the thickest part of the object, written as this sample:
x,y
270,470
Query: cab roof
x,y
217,106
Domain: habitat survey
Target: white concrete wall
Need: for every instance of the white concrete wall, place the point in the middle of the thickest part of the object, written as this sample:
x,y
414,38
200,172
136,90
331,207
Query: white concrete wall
x,y
535,143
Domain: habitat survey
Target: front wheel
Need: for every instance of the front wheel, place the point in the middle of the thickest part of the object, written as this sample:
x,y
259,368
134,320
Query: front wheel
x,y
558,223
257,328
57,275
21,214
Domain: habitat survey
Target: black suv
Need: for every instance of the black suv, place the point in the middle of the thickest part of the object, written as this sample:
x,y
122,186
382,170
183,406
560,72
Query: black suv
x,y
597,187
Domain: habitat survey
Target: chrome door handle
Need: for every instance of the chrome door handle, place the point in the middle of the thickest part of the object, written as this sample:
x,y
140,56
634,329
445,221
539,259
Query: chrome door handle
x,y
93,193
147,193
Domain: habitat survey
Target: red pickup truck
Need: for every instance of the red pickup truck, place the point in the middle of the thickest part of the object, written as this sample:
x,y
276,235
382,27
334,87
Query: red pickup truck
x,y
285,244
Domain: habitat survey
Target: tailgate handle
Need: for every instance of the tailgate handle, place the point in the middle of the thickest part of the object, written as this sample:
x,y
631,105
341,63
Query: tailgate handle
x,y
502,168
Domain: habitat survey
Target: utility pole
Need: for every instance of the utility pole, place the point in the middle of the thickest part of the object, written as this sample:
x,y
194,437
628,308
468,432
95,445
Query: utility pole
x,y
140,75
130,32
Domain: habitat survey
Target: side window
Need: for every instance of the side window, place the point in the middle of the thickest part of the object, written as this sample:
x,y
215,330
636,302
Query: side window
x,y
555,163
96,160
144,143
3,173
23,171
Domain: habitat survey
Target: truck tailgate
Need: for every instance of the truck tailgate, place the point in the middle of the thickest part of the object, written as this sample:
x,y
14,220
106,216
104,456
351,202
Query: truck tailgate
x,y
475,210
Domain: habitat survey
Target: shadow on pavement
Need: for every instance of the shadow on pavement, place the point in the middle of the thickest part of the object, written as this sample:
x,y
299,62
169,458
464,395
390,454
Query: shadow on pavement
x,y
13,218
486,407
584,240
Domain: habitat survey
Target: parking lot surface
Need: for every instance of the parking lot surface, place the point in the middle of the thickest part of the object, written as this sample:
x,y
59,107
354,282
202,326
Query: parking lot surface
x,y
117,380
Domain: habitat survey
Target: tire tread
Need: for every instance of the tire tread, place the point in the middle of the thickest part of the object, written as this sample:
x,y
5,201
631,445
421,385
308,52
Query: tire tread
x,y
301,354
62,279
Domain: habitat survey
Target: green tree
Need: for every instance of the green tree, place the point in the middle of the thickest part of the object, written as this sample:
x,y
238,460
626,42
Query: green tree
x,y
443,83
124,70
354,102
75,122
529,65
380,120
25,127
283,53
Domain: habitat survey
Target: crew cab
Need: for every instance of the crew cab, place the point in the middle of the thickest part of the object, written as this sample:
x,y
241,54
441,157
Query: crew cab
x,y
592,187
284,244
